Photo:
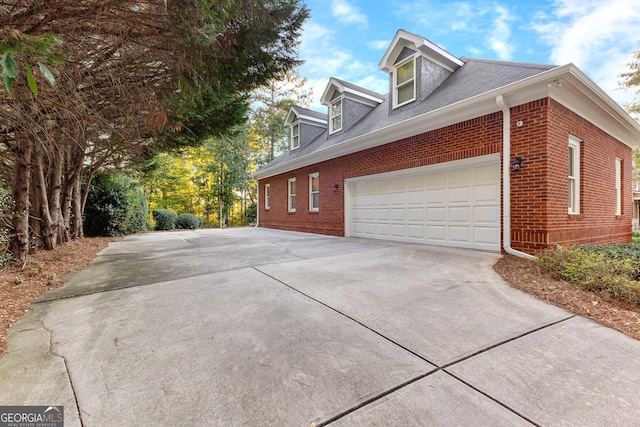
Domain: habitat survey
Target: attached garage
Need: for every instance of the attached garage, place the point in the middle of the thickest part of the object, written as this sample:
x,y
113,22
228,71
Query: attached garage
x,y
451,204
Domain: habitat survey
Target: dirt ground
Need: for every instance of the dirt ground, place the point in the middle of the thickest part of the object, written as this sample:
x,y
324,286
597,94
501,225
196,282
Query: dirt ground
x,y
21,284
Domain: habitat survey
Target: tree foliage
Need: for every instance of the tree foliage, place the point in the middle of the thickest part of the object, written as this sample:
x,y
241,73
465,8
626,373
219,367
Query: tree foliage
x,y
268,134
631,80
132,78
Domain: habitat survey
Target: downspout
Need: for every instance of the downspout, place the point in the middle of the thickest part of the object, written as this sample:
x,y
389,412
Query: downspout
x,y
506,180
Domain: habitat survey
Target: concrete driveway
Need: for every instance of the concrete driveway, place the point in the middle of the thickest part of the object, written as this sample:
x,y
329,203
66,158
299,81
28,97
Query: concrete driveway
x,y
263,327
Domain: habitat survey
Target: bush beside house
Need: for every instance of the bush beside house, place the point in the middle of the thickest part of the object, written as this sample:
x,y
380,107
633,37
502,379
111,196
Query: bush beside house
x,y
115,206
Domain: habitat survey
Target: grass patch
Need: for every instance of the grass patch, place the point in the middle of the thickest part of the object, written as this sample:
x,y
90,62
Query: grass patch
x,y
609,268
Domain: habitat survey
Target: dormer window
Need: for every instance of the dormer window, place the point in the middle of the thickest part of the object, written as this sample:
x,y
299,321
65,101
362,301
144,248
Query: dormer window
x,y
295,135
335,114
404,83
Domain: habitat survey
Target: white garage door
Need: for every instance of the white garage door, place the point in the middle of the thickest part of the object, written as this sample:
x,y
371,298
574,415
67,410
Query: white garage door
x,y
451,204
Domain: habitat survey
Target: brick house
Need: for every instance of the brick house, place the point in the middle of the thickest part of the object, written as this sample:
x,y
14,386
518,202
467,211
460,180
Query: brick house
x,y
461,152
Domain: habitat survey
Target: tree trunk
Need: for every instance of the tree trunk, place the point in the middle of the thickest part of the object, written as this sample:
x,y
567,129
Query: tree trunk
x,y
40,197
19,245
55,197
77,231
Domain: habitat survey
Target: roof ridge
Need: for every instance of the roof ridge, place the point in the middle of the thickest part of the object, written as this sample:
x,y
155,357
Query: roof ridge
x,y
510,63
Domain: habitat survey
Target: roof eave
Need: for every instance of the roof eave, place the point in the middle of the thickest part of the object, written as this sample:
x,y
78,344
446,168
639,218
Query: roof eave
x,y
536,87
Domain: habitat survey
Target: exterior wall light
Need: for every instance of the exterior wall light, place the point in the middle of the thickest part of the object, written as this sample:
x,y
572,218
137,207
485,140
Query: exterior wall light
x,y
517,164
335,188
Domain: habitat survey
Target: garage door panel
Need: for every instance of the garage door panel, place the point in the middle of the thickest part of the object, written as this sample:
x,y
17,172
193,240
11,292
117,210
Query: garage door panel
x,y
398,185
486,214
459,234
436,233
436,215
398,230
382,229
415,214
457,205
459,195
383,214
436,197
415,232
398,199
489,236
415,183
415,197
460,214
487,174
486,193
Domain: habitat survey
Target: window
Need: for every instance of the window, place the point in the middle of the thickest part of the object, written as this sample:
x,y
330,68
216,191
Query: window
x,y
314,192
574,175
335,113
292,195
295,136
618,186
267,196
404,83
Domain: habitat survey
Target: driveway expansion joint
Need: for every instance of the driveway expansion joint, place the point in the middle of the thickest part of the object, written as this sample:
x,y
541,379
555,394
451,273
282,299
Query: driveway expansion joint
x,y
379,395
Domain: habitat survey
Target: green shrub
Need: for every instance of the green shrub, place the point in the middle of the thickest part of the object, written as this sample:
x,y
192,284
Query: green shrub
x,y
188,222
165,219
594,270
115,206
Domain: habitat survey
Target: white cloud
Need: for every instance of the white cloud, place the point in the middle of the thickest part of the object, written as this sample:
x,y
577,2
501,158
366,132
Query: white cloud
x,y
597,36
501,33
323,59
347,13
379,44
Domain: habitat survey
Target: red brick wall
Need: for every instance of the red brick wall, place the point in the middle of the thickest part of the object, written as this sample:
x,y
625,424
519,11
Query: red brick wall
x,y
539,191
476,137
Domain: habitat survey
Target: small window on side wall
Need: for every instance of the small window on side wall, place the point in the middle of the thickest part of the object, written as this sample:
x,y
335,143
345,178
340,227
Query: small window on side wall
x,y
404,83
291,199
618,186
335,113
574,175
267,196
314,192
295,136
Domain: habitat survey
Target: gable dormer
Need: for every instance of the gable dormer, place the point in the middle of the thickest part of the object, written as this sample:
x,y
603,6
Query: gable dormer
x,y
347,104
304,126
416,68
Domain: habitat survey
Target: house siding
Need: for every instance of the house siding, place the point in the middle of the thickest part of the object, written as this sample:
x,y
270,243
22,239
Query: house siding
x,y
539,217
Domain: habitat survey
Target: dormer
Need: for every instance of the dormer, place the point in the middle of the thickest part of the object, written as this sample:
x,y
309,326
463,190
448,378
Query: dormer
x,y
305,126
416,68
347,104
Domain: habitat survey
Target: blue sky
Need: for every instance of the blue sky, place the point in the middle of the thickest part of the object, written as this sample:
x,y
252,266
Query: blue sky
x,y
347,38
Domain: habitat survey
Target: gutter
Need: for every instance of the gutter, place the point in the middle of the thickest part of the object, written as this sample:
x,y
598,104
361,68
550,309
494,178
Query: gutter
x,y
506,180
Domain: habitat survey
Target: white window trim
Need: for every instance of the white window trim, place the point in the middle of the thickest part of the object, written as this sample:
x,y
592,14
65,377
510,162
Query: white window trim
x,y
335,101
618,186
575,144
293,126
395,81
267,196
311,192
289,195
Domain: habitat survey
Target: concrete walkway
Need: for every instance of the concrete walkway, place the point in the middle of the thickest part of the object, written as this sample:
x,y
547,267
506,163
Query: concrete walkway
x,y
262,327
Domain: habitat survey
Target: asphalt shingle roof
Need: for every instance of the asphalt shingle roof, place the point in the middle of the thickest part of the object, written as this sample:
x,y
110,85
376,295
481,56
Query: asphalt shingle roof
x,y
475,77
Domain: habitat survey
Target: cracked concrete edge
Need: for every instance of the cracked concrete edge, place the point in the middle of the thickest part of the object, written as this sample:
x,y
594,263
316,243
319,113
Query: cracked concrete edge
x,y
31,374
